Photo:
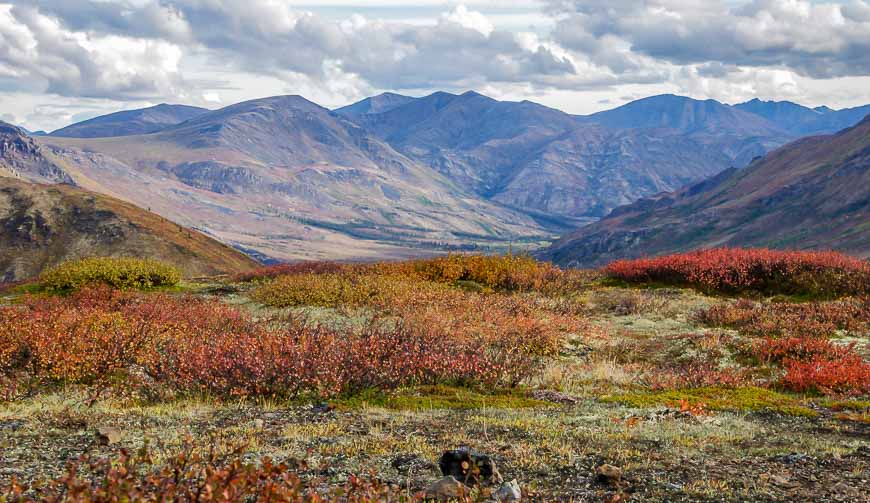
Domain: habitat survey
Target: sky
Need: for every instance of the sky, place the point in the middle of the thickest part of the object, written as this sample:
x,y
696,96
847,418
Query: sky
x,y
63,61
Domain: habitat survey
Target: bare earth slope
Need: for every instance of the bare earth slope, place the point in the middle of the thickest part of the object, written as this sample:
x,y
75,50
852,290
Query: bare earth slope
x,y
43,225
811,194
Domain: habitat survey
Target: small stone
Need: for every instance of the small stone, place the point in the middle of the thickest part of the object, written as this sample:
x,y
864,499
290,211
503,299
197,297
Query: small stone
x,y
445,489
509,491
259,424
107,435
608,474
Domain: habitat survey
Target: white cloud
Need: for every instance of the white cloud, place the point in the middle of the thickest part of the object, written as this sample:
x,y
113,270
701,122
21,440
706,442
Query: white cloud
x,y
817,39
469,19
587,54
39,52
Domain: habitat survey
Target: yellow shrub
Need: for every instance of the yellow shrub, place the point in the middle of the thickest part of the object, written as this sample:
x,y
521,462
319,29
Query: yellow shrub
x,y
116,272
342,289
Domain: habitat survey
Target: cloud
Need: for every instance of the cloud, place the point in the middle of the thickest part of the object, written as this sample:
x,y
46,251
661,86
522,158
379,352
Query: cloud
x,y
207,52
267,37
815,39
38,52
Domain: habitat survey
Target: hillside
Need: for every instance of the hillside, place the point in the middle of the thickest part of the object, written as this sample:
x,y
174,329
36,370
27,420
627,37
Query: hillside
x,y
289,179
591,170
131,122
471,138
811,194
48,224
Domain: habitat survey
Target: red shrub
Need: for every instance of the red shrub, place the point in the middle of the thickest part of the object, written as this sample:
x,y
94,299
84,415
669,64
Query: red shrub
x,y
736,270
699,376
772,350
848,374
196,345
805,319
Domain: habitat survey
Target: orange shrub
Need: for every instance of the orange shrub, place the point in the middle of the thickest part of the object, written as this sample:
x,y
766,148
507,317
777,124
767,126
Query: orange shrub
x,y
275,270
734,270
75,339
204,346
500,272
350,289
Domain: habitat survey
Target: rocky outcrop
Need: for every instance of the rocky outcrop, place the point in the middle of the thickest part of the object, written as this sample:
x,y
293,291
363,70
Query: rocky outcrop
x,y
22,157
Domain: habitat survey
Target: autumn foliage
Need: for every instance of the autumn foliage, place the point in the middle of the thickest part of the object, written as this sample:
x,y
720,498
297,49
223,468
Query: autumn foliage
x,y
735,270
191,345
116,272
781,319
512,273
849,374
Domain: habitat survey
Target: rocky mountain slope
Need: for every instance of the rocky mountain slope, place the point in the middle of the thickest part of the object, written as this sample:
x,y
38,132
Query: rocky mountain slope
x,y
803,121
22,157
564,169
811,194
131,122
289,179
43,225
739,135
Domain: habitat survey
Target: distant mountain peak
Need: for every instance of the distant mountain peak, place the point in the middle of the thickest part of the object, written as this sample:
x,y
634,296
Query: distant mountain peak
x,y
381,103
131,122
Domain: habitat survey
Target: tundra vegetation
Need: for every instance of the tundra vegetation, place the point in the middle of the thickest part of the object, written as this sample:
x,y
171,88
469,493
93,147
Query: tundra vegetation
x,y
718,375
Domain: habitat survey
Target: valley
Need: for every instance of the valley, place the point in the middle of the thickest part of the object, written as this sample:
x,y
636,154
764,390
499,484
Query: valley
x,y
394,176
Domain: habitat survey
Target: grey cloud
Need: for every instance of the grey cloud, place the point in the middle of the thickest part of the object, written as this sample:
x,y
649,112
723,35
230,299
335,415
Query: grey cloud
x,y
819,40
45,56
273,38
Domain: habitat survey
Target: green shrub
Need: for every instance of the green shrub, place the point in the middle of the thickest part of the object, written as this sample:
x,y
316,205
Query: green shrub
x,y
116,272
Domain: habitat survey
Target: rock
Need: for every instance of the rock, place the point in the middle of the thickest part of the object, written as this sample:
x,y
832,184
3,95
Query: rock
x,y
446,489
469,467
509,491
608,474
547,395
259,424
107,435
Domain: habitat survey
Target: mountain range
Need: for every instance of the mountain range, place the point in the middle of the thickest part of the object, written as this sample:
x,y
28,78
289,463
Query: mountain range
x,y
811,194
392,176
